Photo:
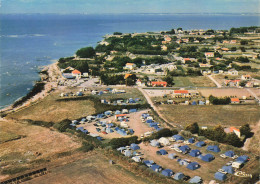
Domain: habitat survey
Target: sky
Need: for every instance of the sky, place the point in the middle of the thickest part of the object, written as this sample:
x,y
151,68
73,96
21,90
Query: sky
x,y
129,6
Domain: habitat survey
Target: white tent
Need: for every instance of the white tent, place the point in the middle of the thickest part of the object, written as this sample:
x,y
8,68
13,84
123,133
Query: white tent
x,y
164,141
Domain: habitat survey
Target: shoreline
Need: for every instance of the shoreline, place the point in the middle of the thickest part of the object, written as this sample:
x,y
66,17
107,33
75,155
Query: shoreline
x,y
50,76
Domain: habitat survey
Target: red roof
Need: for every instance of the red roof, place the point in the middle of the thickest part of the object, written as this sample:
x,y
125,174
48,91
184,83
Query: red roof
x,y
234,99
181,91
120,115
233,128
76,72
186,59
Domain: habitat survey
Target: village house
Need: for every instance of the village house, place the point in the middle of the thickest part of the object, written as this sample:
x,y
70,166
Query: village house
x,y
225,49
209,54
167,39
158,84
246,77
232,72
232,83
127,75
164,48
204,65
140,83
235,100
130,66
234,130
76,73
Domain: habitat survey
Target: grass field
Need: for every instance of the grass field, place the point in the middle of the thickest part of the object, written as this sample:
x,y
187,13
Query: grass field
x,y
225,115
95,168
200,81
6,136
51,110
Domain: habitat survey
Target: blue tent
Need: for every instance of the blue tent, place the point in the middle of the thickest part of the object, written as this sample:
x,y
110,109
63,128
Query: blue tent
x,y
163,152
243,158
80,128
72,124
149,121
213,148
117,112
184,162
178,138
156,168
132,110
134,146
157,129
200,144
194,103
153,124
100,115
155,143
109,130
79,94
220,176
100,93
191,140
148,163
196,179
172,156
179,176
230,153
185,149
195,153
83,119
131,100
145,115
167,172
99,138
229,169
131,130
107,113
84,131
193,166
207,158
128,153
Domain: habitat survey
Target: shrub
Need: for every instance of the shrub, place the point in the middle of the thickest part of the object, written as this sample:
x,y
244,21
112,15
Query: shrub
x,y
40,123
119,142
63,125
14,170
86,147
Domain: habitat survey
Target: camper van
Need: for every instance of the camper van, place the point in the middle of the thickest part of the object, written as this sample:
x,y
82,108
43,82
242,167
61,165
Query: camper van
x,y
237,165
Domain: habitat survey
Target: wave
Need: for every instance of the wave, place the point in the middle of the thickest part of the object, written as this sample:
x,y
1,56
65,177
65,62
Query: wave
x,y
22,36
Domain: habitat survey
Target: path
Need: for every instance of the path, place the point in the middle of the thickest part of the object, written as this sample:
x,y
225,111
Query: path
x,y
255,128
216,82
148,99
253,94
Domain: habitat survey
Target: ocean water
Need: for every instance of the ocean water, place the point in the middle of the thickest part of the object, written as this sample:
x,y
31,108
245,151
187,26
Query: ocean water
x,y
28,42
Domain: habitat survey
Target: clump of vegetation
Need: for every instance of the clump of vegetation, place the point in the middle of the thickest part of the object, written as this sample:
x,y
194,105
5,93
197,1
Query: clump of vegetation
x,y
86,147
14,170
193,128
63,125
38,87
40,123
219,101
119,142
87,52
165,132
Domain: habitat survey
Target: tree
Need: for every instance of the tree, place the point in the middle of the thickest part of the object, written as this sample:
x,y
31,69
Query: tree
x,y
246,130
169,80
179,29
87,52
193,128
243,42
233,140
242,83
63,125
219,133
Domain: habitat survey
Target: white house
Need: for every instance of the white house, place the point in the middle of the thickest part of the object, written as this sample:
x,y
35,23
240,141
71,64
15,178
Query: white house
x,y
232,72
209,54
246,77
130,66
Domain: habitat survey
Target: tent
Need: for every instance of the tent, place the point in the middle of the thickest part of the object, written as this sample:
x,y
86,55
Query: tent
x,y
193,166
108,113
184,162
172,156
156,168
185,149
229,169
148,163
191,140
194,103
201,103
99,138
80,128
167,172
196,179
200,144
149,121
132,110
131,131
220,176
164,141
100,116
127,153
213,148
243,158
145,115
195,153
131,100
155,143
178,176
163,152
207,158
117,112
134,146
109,130
178,138
230,153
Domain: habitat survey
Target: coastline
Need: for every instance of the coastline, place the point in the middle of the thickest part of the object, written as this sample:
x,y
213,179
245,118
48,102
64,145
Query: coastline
x,y
50,76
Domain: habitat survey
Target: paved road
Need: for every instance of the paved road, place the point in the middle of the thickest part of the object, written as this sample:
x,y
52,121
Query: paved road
x,y
216,82
155,108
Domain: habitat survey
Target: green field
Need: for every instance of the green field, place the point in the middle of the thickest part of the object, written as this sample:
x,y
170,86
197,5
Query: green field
x,y
225,115
199,81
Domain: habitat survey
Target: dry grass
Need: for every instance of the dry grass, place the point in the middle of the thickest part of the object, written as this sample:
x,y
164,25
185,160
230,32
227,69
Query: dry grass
x,y
93,169
202,81
226,115
225,92
51,110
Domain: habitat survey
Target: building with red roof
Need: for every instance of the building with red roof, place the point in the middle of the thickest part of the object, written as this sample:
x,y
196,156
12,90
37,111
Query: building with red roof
x,y
159,83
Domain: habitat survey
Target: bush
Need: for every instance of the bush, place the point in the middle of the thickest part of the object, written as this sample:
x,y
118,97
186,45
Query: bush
x,y
119,142
40,123
219,101
14,170
86,147
87,52
193,128
63,125
161,133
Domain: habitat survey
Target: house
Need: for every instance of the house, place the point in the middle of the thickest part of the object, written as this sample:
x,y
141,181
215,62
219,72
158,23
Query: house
x,y
184,149
180,93
229,153
196,179
76,73
130,66
207,157
140,83
246,77
179,176
184,60
178,137
234,130
213,148
200,144
229,169
232,72
167,39
127,75
204,65
193,166
225,49
195,153
155,143
156,168
167,172
134,146
209,54
164,48
232,83
234,100
159,84
220,176
172,156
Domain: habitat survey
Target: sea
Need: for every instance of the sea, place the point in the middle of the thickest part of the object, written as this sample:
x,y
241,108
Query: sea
x,y
30,41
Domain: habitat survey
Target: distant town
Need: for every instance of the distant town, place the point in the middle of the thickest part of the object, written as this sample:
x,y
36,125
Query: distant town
x,y
176,106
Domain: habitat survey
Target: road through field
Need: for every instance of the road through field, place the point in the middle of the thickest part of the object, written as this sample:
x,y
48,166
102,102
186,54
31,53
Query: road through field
x,y
253,94
211,78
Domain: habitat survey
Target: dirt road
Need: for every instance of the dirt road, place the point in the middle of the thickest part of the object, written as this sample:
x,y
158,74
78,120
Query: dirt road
x,y
213,80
